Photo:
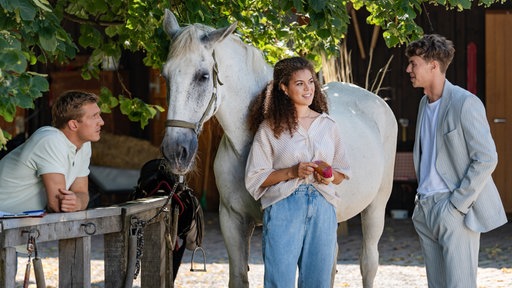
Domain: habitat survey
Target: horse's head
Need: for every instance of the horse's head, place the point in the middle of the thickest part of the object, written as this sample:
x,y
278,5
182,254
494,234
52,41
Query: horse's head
x,y
192,88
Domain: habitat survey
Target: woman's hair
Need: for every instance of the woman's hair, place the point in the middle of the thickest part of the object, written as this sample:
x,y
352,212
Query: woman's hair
x,y
273,105
432,47
69,107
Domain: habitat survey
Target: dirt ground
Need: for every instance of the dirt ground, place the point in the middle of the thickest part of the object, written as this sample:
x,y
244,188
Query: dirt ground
x,y
401,261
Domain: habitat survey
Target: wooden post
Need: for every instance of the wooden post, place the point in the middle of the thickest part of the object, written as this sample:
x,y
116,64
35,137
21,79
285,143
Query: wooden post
x,y
155,254
169,255
75,262
7,264
115,258
153,259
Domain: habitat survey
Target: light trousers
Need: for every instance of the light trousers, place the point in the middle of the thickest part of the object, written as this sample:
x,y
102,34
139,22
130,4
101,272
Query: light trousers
x,y
449,247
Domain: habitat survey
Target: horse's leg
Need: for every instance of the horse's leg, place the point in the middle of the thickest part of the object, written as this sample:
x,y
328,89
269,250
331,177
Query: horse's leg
x,y
373,216
236,230
372,222
238,212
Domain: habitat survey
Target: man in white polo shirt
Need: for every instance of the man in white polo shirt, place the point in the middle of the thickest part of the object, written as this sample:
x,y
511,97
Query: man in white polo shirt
x,y
50,170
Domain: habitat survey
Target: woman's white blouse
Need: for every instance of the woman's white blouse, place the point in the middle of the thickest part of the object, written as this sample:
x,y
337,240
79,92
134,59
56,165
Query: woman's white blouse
x,y
321,142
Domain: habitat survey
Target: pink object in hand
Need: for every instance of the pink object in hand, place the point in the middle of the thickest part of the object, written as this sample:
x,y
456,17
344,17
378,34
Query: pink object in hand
x,y
324,169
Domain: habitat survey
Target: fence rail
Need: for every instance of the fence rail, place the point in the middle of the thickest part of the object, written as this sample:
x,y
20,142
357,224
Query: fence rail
x,y
73,232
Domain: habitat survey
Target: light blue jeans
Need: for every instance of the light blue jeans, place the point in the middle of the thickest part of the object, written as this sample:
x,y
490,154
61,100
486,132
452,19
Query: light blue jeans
x,y
299,231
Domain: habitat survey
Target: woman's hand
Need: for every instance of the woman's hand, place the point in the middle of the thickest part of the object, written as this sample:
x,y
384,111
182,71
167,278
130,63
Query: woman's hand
x,y
301,171
323,180
304,169
336,178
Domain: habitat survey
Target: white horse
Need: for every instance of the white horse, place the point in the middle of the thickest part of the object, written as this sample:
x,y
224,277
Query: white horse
x,y
213,73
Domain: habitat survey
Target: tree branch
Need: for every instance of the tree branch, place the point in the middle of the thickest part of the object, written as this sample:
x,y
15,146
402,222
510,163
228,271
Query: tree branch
x,y
78,20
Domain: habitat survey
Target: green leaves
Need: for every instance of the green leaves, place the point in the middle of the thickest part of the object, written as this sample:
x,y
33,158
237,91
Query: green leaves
x,y
137,110
90,37
107,100
26,10
31,33
14,60
4,136
47,39
18,87
397,17
43,4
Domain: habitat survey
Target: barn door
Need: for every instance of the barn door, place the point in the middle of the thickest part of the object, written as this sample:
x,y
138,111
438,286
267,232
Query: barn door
x,y
498,79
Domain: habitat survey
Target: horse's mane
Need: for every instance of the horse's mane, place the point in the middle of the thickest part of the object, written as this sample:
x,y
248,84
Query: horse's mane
x,y
254,58
187,39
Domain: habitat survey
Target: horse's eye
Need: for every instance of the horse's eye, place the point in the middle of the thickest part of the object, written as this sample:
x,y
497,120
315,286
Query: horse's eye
x,y
202,76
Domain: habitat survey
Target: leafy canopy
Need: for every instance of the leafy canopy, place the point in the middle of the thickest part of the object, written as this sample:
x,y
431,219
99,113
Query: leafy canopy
x,y
31,33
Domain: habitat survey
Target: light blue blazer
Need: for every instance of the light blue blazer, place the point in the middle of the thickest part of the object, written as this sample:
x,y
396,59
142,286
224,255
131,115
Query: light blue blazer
x,y
466,157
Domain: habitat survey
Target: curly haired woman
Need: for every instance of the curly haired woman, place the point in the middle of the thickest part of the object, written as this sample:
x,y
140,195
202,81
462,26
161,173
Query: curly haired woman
x,y
292,131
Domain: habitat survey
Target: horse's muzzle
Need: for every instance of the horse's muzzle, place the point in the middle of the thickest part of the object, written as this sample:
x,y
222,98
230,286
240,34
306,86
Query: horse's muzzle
x,y
180,148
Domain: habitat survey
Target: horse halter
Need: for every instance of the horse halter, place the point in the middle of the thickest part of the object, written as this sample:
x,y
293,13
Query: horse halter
x,y
196,127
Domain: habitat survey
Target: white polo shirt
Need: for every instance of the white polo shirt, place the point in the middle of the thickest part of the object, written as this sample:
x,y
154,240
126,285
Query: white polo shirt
x,y
48,150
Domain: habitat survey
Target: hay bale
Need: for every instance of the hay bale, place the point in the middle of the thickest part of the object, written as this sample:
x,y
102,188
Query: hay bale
x,y
122,151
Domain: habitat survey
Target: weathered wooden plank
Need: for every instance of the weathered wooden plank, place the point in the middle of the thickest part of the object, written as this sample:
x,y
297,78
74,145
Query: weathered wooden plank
x,y
115,257
8,266
153,266
75,262
50,231
60,217
117,244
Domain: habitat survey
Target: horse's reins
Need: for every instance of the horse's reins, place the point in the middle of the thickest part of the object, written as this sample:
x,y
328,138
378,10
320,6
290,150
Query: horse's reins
x,y
196,127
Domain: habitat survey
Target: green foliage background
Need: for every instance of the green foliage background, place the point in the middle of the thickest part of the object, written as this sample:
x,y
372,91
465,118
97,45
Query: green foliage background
x,y
31,32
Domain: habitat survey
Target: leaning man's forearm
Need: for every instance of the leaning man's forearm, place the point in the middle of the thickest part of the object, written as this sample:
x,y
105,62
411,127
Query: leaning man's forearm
x,y
83,200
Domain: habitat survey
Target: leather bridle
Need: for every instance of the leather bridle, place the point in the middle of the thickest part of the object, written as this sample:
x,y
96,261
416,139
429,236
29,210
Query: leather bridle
x,y
196,127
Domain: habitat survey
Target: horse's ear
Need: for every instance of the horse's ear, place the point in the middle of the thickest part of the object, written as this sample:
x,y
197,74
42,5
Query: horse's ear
x,y
221,33
171,26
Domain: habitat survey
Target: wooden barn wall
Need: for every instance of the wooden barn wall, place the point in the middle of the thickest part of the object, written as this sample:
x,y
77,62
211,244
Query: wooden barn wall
x,y
460,27
67,76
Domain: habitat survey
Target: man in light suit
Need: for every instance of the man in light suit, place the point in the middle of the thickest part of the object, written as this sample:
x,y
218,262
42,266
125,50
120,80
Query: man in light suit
x,y
454,157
